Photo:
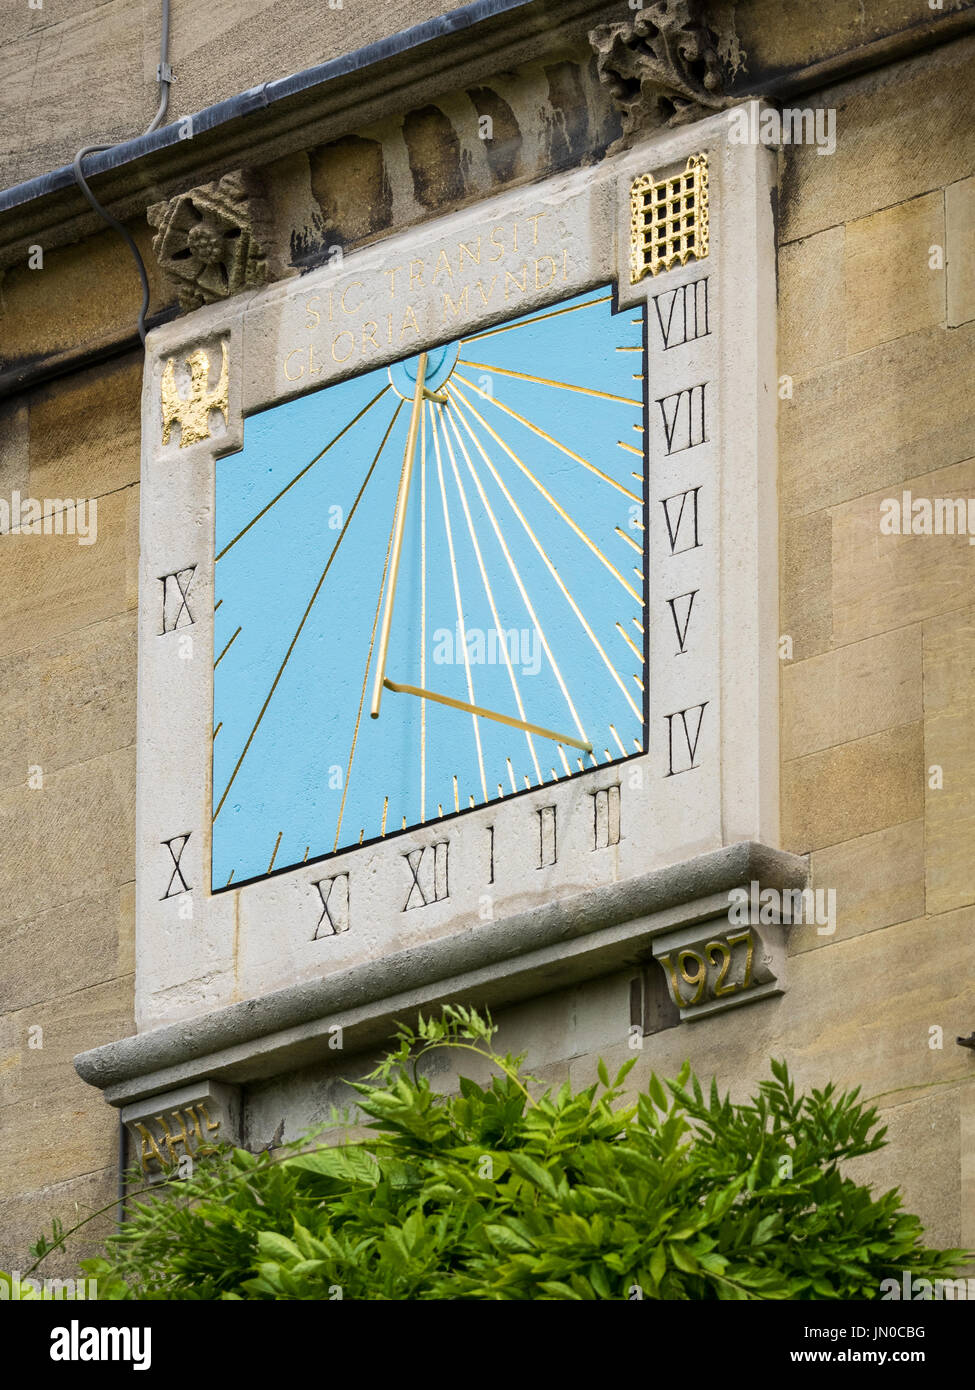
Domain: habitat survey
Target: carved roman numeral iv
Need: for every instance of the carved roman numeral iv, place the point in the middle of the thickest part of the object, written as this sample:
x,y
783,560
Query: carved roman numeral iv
x,y
688,752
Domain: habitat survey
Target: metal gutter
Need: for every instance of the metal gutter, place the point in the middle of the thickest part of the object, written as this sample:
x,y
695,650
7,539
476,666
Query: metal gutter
x,y
259,98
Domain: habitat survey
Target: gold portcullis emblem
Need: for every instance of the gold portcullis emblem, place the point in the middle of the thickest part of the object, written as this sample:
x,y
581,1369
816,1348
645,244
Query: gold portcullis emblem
x,y
669,219
192,413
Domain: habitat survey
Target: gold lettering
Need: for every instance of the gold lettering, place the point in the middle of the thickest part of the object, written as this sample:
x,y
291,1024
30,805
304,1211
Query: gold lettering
x,y
392,280
498,244
510,275
536,218
416,277
565,265
346,333
316,298
409,318
369,331
466,250
543,284
345,307
462,303
149,1149
480,286
514,230
295,352
389,327
440,268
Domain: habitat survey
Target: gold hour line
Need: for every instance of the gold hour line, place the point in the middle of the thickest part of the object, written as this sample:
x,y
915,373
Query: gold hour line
x,y
304,616
619,741
565,761
581,765
298,476
307,849
232,872
217,604
637,475
638,745
385,811
544,381
540,487
638,428
471,800
423,612
629,540
484,713
456,796
637,525
637,624
631,349
573,308
640,320
548,438
629,642
226,649
631,449
365,674
218,728
489,592
508,557
275,854
511,775
639,573
638,681
404,823
440,809
500,792
555,775
551,569
528,781
460,608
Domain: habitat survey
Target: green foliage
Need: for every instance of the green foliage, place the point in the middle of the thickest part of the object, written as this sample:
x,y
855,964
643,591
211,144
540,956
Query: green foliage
x,y
495,1194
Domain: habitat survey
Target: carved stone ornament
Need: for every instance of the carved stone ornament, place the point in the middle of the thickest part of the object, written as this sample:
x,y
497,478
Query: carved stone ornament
x,y
212,241
661,67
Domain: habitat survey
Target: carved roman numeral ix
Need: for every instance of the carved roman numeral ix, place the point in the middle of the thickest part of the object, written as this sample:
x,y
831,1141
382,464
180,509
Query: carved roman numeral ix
x,y
177,873
681,520
334,895
429,869
176,586
547,837
683,313
606,817
683,417
690,743
681,626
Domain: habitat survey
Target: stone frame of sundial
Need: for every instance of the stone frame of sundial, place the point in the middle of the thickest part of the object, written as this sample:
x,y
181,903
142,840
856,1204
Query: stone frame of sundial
x,y
198,952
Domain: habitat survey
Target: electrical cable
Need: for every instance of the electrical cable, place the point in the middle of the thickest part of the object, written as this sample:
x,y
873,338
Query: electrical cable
x,y
164,76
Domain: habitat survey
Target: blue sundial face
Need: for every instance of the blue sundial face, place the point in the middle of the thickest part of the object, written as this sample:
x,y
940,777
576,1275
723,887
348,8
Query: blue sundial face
x,y
431,598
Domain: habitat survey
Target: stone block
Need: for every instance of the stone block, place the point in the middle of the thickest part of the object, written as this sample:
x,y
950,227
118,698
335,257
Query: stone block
x,y
52,584
850,790
949,660
805,585
901,131
876,419
44,1037
960,250
73,839
888,581
14,447
812,302
851,692
56,1136
39,968
69,699
167,1129
891,288
878,880
85,432
949,810
28,1213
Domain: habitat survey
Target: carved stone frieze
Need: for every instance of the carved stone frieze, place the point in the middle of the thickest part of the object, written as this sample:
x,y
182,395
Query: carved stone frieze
x,y
661,67
212,241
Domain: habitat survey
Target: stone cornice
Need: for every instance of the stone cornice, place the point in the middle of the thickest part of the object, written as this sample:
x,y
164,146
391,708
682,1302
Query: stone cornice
x,y
496,964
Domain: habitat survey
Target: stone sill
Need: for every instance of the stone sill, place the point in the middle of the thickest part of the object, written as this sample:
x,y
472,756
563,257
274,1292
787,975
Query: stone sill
x,y
490,965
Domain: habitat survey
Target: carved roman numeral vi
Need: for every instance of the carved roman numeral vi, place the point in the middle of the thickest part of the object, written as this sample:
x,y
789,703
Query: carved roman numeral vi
x,y
681,520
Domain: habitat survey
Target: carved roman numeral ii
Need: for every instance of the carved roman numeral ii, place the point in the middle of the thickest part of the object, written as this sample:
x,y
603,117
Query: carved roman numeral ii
x,y
429,869
606,817
683,418
176,586
547,837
